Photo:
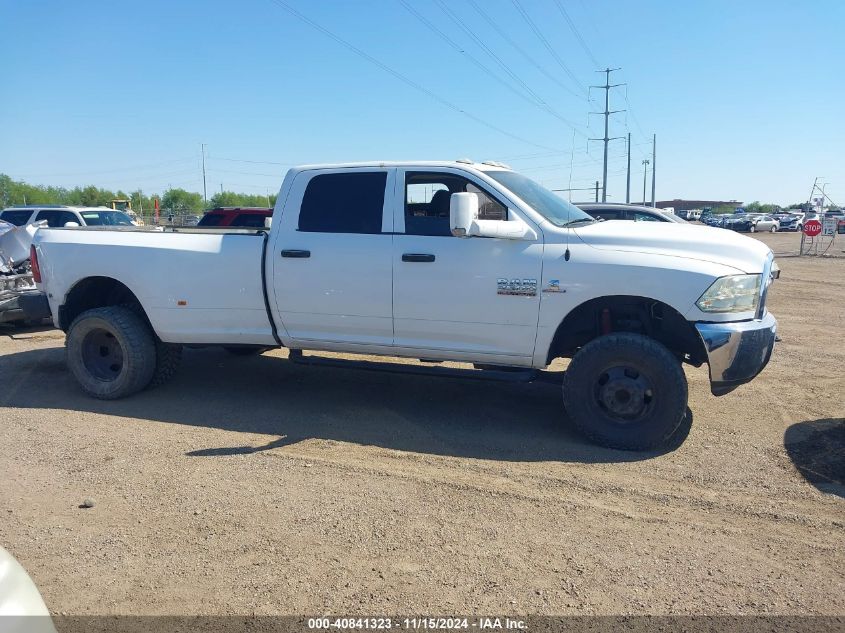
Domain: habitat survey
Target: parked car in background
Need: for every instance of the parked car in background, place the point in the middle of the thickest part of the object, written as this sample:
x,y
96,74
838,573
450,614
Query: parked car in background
x,y
789,221
57,215
636,213
716,219
752,223
251,217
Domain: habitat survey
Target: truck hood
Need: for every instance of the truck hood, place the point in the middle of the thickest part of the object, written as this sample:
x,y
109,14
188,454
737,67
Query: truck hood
x,y
690,241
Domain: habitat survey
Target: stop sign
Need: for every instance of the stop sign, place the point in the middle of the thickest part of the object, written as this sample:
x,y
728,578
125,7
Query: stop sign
x,y
812,228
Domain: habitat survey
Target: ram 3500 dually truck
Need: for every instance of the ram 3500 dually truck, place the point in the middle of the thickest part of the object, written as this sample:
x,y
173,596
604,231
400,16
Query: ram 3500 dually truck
x,y
455,261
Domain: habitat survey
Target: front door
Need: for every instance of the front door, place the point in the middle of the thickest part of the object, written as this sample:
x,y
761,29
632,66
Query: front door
x,y
475,296
332,259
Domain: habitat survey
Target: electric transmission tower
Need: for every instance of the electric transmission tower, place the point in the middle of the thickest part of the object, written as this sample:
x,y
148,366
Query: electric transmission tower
x,y
607,112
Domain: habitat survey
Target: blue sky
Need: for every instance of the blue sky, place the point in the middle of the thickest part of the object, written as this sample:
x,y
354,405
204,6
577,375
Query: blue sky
x,y
746,98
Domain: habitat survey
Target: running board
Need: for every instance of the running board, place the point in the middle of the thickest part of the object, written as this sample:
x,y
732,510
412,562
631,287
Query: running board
x,y
493,375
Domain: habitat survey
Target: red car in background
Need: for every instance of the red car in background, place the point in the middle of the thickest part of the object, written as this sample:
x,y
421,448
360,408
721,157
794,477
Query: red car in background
x,y
250,217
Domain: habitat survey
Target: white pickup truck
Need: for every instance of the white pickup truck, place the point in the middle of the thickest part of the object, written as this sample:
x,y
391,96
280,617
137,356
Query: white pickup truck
x,y
455,261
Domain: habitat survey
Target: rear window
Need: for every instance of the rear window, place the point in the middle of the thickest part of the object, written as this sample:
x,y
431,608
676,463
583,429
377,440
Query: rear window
x,y
252,220
344,203
18,218
211,219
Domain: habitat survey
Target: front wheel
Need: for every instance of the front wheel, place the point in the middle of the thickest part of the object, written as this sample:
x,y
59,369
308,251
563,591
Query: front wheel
x,y
774,229
111,352
625,391
753,228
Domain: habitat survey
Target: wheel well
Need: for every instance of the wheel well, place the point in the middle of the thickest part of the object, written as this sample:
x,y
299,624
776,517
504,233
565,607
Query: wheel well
x,y
623,313
96,292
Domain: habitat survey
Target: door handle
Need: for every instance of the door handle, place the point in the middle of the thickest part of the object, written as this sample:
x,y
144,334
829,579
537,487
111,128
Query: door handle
x,y
417,257
296,253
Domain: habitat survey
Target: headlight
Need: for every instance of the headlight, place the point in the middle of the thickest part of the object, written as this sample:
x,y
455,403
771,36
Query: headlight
x,y
736,293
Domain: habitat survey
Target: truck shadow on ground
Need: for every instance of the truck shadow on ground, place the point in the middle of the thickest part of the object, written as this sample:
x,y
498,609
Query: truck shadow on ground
x,y
817,449
274,396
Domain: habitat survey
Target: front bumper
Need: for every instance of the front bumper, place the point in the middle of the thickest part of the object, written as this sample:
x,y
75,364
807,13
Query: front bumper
x,y
737,352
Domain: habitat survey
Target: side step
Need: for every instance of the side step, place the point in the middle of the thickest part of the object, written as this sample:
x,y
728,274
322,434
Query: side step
x,y
517,375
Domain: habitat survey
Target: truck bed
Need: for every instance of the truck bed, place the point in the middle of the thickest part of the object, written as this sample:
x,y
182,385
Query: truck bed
x,y
201,286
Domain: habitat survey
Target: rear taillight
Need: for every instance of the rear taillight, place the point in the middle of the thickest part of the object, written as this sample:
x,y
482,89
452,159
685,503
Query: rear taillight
x,y
33,262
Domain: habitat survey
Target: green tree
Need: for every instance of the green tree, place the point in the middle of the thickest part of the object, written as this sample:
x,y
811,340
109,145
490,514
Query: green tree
x,y
181,201
232,199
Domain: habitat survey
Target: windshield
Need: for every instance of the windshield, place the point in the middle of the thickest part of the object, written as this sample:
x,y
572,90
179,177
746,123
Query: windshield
x,y
548,204
106,218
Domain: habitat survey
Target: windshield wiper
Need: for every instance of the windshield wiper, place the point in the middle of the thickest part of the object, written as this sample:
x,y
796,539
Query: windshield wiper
x,y
578,221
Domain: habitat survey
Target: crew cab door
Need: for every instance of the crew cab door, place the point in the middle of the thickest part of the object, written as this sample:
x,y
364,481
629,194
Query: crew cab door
x,y
469,298
332,258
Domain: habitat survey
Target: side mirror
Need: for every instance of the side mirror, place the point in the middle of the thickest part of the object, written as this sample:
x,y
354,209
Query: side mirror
x,y
463,211
464,222
71,224
268,222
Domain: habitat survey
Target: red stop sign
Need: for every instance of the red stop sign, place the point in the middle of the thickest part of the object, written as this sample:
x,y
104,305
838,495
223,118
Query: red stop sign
x,y
812,228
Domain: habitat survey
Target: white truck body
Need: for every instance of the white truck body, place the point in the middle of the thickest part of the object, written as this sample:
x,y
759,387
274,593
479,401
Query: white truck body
x,y
387,291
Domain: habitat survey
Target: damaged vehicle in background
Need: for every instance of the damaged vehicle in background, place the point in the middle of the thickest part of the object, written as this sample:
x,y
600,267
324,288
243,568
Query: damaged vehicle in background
x,y
16,283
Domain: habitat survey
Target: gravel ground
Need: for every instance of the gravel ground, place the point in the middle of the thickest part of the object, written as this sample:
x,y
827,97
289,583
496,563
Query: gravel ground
x,y
256,486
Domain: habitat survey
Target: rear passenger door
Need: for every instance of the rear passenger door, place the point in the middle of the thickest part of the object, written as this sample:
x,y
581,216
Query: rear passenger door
x,y
332,272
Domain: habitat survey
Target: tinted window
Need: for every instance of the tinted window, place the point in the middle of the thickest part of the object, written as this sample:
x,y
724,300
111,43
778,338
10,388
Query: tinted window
x,y
57,218
211,219
646,217
253,220
343,203
606,214
18,218
427,197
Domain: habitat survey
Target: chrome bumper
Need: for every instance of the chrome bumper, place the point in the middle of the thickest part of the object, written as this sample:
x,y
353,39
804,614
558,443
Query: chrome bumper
x,y
737,352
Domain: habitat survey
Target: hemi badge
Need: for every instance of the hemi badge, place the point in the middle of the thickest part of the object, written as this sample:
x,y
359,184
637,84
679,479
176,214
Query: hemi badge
x,y
553,286
181,302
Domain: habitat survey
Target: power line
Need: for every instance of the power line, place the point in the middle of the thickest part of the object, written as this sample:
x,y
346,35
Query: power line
x,y
577,34
112,171
503,34
504,66
548,46
255,162
406,80
607,112
537,101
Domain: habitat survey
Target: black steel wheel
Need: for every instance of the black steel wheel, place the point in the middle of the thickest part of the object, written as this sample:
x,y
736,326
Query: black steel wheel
x,y
111,352
625,391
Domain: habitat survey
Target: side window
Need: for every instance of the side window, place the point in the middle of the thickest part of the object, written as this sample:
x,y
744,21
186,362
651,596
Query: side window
x,y
211,219
427,202
644,217
251,220
606,214
57,219
343,203
18,218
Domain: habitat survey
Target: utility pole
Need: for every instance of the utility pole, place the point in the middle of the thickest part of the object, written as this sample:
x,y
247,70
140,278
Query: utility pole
x,y
645,175
607,112
204,191
597,190
628,184
653,165
221,188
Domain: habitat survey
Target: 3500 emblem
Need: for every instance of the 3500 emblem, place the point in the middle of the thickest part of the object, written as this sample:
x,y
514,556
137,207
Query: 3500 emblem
x,y
524,287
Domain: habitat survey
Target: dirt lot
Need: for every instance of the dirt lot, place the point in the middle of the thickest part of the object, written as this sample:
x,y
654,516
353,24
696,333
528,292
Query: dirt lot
x,y
253,485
